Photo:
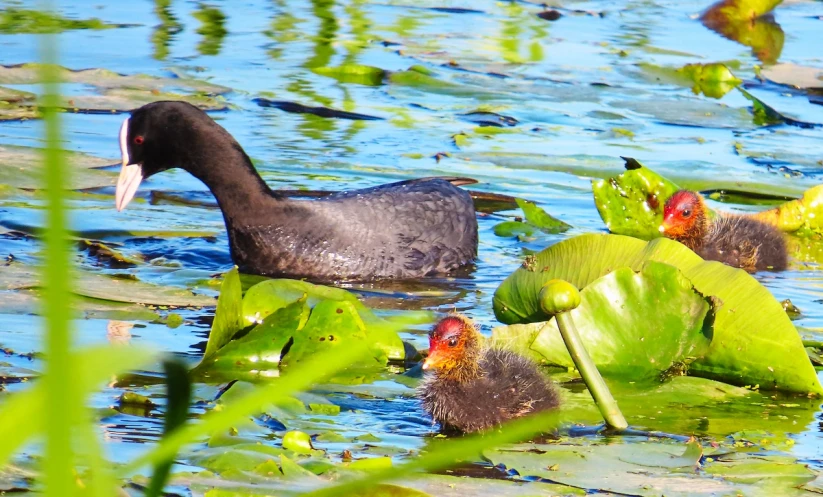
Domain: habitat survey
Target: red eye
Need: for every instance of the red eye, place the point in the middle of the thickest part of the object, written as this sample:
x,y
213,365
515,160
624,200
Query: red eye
x,y
138,139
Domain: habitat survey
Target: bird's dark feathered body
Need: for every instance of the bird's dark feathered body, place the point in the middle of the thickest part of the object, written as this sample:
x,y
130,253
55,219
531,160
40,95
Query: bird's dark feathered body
x,y
507,386
745,243
401,230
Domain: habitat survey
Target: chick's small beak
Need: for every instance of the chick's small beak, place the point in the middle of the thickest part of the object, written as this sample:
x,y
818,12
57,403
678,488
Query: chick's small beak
x,y
665,225
130,174
431,361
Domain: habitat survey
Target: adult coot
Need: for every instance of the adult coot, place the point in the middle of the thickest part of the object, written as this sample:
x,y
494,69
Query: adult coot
x,y
738,241
408,229
473,387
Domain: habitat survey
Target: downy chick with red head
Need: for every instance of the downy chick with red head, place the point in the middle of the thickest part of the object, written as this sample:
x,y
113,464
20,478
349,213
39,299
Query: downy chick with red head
x,y
738,241
472,387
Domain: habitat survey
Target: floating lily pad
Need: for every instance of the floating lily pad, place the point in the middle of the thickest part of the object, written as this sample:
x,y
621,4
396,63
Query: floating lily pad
x,y
794,75
753,342
613,322
270,295
29,74
127,99
20,167
536,219
694,175
714,79
294,320
631,469
690,112
98,286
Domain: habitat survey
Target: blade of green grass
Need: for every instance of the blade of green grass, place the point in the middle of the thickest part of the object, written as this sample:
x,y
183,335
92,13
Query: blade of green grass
x,y
62,404
298,379
178,395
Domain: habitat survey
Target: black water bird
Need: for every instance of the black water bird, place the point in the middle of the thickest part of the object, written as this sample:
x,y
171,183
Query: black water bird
x,y
403,230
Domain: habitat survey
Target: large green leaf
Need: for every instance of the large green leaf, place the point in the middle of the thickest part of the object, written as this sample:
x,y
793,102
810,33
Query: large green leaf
x,y
295,320
265,297
613,319
258,353
753,342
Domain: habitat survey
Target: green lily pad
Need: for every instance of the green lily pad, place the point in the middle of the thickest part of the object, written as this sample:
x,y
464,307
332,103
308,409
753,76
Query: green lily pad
x,y
632,203
297,441
228,319
536,219
540,218
753,341
508,229
613,322
258,353
270,295
332,324
299,319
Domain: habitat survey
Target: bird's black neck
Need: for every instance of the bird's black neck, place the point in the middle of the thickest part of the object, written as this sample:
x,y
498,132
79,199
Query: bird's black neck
x,y
222,165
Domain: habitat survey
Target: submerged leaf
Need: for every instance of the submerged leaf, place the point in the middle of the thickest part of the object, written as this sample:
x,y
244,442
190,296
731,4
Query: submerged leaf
x,y
98,286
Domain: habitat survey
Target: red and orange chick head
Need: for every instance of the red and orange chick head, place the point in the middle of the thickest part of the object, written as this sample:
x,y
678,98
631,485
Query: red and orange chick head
x,y
684,216
454,344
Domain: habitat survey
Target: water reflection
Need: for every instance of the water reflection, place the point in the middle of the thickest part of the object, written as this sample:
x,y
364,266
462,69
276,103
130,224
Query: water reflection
x,y
163,34
212,29
762,34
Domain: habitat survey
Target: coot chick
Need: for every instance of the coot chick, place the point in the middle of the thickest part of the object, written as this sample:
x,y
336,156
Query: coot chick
x,y
473,387
408,229
739,241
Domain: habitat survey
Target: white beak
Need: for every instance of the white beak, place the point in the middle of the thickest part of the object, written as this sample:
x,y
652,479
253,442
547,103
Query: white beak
x,y
130,174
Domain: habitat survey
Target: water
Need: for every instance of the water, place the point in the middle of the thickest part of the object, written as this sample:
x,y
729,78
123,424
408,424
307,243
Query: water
x,y
569,83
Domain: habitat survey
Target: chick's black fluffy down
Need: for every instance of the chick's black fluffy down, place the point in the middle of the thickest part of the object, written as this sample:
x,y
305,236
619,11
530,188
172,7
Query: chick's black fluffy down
x,y
509,386
746,243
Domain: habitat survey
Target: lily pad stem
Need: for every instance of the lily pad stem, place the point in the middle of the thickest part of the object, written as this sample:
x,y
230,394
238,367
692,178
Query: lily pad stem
x,y
559,298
